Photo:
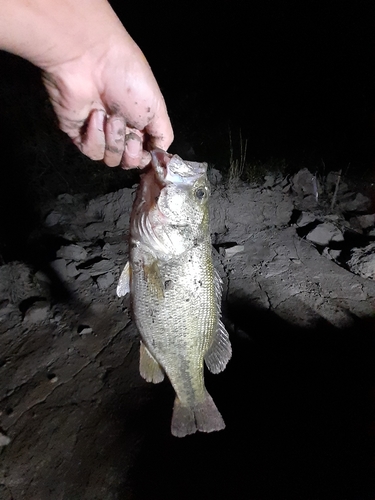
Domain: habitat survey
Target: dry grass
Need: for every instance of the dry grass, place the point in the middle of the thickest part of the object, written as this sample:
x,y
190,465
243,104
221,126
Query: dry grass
x,y
237,163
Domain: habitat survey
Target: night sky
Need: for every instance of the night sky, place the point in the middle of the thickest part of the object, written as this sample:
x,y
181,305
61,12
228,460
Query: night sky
x,y
296,77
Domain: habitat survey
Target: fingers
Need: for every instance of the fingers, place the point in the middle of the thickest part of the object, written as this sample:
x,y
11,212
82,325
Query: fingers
x,y
92,142
145,160
160,130
133,151
160,135
105,138
115,140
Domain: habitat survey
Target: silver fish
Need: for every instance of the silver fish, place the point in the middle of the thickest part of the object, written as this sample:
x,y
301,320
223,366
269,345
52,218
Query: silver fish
x,y
175,290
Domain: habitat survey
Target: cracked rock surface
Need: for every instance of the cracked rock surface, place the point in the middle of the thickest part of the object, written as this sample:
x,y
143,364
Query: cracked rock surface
x,y
77,422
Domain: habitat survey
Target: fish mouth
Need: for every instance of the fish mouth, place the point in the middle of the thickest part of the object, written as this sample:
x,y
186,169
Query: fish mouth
x,y
171,169
159,162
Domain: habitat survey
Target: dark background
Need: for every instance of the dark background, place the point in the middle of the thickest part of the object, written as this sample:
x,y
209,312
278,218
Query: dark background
x,y
294,79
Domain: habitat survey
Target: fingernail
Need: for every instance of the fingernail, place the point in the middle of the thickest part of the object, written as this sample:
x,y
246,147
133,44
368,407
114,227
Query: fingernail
x,y
133,147
146,159
117,129
99,117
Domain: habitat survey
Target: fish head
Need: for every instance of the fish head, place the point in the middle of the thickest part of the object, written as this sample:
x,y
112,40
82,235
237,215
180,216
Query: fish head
x,y
171,213
184,192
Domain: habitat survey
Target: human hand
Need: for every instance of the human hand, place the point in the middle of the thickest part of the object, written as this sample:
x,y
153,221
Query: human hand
x,y
99,82
110,105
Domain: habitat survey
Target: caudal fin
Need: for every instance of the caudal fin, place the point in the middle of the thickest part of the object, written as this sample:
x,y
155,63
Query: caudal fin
x,y
204,417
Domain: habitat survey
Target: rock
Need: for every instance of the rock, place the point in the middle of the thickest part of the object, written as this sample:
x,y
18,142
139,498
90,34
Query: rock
x,y
335,254
101,267
53,219
59,267
333,217
303,183
269,181
66,209
72,252
71,270
255,210
123,222
4,440
10,315
110,207
115,251
363,221
38,312
362,261
309,202
96,230
95,252
229,252
104,281
66,199
214,176
304,219
84,276
285,182
285,186
331,254
84,330
324,234
360,203
42,278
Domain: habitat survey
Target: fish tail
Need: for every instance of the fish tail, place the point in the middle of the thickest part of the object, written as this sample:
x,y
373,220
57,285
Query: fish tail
x,y
204,417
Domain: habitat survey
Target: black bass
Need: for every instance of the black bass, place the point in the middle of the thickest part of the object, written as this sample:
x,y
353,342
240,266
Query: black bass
x,y
175,291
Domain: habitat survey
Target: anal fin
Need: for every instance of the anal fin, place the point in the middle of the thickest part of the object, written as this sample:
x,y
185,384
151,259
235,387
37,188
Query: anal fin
x,y
149,368
220,352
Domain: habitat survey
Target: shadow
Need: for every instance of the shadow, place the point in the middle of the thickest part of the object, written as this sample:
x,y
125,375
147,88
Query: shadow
x,y
298,405
38,161
18,84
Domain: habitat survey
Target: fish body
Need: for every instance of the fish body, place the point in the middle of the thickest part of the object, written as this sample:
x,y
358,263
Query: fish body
x,y
175,290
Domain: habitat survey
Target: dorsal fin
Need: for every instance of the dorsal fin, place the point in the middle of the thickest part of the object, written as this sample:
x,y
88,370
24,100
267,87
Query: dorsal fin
x,y
220,352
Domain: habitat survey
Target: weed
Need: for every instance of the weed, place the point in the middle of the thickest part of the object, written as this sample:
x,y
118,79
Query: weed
x,y
237,164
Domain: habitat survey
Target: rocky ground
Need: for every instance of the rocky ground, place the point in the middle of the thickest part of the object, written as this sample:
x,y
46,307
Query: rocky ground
x,y
77,422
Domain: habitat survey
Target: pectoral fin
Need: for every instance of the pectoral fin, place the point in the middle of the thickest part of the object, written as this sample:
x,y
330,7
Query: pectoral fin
x,y
149,368
154,281
220,352
123,286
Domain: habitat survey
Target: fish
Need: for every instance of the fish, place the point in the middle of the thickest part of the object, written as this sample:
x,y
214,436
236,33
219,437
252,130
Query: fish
x,y
175,290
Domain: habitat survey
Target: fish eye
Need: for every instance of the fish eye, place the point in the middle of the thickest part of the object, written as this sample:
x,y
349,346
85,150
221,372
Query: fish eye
x,y
200,193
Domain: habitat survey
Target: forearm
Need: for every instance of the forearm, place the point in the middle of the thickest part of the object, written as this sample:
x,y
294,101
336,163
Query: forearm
x,y
99,82
49,32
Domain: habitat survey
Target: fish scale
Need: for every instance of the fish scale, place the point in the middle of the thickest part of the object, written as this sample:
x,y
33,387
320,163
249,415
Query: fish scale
x,y
175,291
174,352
